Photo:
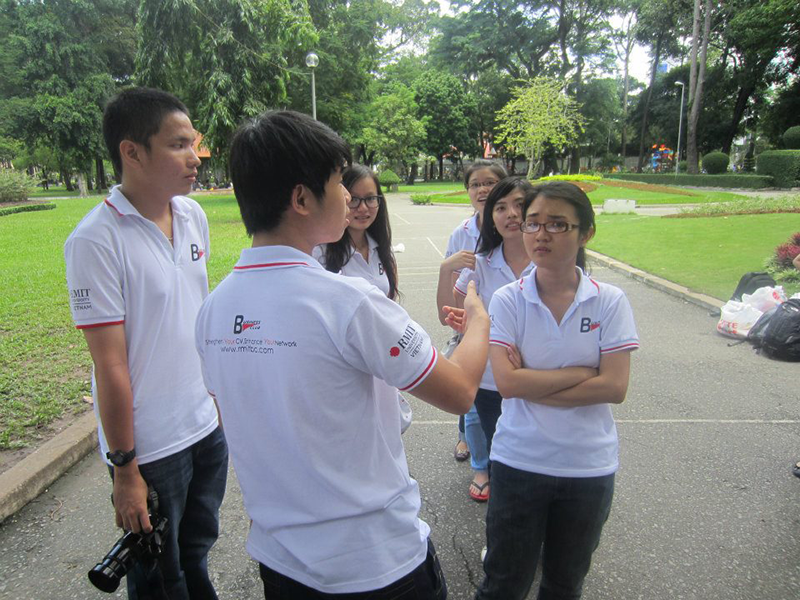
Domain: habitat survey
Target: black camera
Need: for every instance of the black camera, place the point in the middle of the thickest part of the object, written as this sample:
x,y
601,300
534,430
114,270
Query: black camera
x,y
129,549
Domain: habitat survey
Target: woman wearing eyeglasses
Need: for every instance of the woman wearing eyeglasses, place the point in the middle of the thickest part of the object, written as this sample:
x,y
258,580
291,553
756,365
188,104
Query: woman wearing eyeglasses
x,y
479,179
365,250
560,353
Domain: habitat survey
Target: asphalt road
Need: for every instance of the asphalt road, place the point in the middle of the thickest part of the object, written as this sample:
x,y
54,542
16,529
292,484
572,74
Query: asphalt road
x,y
705,506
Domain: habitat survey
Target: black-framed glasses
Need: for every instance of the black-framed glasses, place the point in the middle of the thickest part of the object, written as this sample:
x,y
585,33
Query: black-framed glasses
x,y
549,227
370,201
476,185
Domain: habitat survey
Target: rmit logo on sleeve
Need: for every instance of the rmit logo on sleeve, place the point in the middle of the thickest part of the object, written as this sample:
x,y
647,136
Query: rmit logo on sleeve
x,y
587,325
197,252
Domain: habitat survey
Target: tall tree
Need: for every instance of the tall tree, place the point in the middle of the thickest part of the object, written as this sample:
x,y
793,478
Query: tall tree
x,y
540,114
697,77
624,42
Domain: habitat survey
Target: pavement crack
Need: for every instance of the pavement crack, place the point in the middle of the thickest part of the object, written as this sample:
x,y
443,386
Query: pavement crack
x,y
471,576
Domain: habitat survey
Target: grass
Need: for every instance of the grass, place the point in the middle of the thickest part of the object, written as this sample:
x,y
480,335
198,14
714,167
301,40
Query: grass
x,y
604,192
708,255
432,186
54,190
753,205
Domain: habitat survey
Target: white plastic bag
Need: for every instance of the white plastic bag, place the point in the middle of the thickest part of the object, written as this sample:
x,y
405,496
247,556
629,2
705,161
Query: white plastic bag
x,y
736,319
765,298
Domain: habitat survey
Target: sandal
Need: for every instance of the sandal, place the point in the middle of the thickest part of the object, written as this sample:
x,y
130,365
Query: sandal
x,y
461,455
796,469
483,492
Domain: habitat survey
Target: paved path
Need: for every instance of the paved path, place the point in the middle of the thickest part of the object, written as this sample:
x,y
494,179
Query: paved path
x,y
705,506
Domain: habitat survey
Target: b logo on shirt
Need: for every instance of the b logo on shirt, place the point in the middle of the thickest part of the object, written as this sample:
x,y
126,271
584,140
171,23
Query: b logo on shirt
x,y
587,325
197,252
240,325
380,268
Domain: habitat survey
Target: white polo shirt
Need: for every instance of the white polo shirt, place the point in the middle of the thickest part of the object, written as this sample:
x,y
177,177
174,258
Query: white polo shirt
x,y
356,266
464,237
491,273
291,352
564,442
121,269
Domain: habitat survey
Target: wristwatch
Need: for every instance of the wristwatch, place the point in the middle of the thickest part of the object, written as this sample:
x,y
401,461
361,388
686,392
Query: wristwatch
x,y
118,458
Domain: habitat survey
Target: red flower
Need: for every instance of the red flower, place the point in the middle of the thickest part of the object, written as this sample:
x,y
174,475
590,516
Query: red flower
x,y
785,254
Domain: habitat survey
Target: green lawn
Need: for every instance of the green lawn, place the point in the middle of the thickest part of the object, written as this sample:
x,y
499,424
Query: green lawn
x,y
708,255
52,191
431,187
44,364
603,193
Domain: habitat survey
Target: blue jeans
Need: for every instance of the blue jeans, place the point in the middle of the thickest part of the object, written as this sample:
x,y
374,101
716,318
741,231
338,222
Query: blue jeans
x,y
426,582
190,486
476,440
529,513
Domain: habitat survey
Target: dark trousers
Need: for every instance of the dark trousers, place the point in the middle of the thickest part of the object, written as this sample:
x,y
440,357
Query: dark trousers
x,y
488,403
426,582
190,485
529,513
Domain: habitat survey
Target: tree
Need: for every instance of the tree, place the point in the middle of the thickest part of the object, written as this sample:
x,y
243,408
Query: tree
x,y
697,77
539,114
624,42
227,59
394,131
449,112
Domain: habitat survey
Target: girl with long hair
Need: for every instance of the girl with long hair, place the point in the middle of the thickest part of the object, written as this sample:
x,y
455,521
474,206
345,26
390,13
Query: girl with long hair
x,y
560,354
365,250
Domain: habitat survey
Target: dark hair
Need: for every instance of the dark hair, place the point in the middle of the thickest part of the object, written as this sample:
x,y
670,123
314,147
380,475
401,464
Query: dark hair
x,y
274,152
337,254
136,114
481,163
572,194
490,238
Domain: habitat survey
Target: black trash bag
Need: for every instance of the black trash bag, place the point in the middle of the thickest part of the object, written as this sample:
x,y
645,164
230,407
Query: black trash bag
x,y
756,334
780,338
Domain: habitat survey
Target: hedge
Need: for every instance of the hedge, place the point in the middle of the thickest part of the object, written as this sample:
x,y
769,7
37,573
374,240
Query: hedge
x,y
782,165
729,180
421,198
716,163
25,208
791,138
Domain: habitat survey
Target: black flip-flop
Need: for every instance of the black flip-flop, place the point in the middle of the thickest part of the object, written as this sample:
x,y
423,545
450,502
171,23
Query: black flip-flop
x,y
796,469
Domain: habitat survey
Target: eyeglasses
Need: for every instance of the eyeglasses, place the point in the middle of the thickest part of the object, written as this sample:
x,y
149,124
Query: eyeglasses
x,y
549,227
370,201
476,185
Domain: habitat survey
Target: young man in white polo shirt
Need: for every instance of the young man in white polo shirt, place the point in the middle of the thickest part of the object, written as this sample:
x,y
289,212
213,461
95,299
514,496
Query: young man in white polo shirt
x,y
136,269
291,352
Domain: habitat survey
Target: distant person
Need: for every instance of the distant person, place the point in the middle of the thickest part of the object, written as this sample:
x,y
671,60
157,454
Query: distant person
x,y
291,351
560,353
479,179
365,250
136,269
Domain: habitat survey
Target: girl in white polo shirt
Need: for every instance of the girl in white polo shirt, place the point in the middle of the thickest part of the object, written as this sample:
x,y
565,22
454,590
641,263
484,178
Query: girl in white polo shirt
x,y
501,259
479,179
365,250
560,354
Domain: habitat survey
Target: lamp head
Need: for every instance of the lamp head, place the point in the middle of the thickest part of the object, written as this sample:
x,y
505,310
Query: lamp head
x,y
312,60
680,83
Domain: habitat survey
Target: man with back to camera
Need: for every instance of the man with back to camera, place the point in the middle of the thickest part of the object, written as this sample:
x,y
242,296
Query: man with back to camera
x,y
136,270
290,351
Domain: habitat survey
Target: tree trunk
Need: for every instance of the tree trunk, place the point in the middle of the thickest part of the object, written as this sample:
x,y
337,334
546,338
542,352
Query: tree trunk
x,y
575,161
102,182
629,42
646,112
738,112
82,185
412,173
692,163
65,177
441,167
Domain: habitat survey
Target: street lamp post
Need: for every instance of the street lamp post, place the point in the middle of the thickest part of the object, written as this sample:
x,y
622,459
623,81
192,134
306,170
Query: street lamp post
x,y
680,126
312,60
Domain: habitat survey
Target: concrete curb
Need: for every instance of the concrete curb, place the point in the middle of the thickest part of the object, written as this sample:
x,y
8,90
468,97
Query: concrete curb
x,y
673,289
29,477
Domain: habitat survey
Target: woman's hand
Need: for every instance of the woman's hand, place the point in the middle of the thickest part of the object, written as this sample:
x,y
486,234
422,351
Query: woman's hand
x,y
463,259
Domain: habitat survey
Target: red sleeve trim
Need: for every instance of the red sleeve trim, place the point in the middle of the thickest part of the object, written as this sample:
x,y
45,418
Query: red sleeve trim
x,y
629,346
114,207
423,374
93,325
499,343
265,265
455,287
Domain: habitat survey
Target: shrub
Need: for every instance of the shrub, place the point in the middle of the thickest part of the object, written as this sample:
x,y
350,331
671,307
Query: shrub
x,y
785,254
683,166
565,177
25,208
421,198
716,163
729,180
15,186
389,180
791,138
782,165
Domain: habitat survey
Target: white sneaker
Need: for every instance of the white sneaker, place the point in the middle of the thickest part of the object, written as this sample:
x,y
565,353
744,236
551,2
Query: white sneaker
x,y
483,554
